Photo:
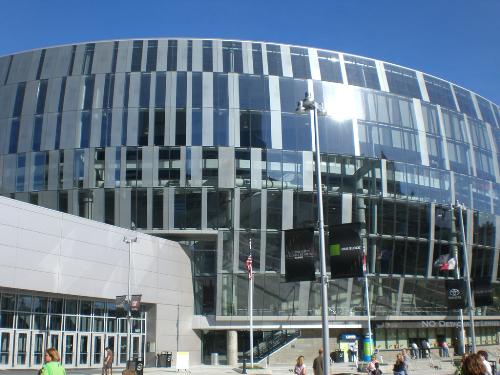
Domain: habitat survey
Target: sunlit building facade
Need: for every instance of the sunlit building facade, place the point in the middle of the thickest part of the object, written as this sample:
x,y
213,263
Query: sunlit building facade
x,y
198,141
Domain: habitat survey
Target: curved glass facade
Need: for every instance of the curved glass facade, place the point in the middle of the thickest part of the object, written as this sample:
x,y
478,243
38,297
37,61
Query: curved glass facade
x,y
198,140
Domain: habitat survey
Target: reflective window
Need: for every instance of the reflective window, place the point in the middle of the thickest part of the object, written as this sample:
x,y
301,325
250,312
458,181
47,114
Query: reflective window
x,y
109,206
196,127
220,93
181,94
255,129
361,72
106,122
187,209
136,56
159,135
402,81
85,126
232,57
20,172
37,133
138,207
221,128
109,88
296,132
158,209
197,90
207,56
115,57
144,92
464,101
41,96
257,58
300,62
291,91
219,209
18,103
161,82
172,56
486,112
439,92
335,136
329,66
254,92
151,55
14,135
143,127
88,58
250,206
40,64
274,66
40,172
88,92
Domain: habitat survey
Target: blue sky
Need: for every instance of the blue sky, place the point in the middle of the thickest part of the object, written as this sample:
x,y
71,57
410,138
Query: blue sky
x,y
458,40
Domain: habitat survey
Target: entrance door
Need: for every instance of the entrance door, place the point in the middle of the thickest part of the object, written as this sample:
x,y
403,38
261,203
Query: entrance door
x,y
136,346
6,348
37,349
97,349
21,349
83,350
122,351
54,341
69,350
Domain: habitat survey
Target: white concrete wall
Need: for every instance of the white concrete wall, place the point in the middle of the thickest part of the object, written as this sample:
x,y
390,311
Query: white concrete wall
x,y
49,251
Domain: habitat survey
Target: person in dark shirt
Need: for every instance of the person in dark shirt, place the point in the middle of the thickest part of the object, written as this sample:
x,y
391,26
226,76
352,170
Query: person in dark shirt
x,y
318,363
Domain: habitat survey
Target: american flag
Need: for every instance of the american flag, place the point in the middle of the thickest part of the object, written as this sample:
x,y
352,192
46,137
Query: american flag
x,y
248,265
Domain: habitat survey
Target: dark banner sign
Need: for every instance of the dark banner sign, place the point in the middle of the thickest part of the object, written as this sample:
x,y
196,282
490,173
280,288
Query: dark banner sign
x,y
455,294
121,306
483,292
135,303
299,255
347,257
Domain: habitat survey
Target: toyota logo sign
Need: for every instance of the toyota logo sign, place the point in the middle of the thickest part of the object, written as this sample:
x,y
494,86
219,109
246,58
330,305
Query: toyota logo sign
x,y
454,292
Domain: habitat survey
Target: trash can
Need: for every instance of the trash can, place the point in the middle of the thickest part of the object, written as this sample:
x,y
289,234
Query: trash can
x,y
214,359
164,359
137,365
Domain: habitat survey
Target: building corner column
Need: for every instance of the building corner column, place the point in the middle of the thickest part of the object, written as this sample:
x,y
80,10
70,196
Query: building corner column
x,y
232,348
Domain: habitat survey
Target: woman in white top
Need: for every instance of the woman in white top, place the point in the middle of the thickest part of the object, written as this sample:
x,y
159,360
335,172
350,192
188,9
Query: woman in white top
x,y
300,367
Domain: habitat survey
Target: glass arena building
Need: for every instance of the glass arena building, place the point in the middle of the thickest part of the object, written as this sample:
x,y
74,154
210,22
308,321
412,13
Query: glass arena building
x,y
198,142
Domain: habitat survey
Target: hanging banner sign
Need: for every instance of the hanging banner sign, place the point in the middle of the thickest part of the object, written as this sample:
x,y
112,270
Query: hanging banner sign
x,y
299,255
455,294
347,256
483,292
121,306
135,303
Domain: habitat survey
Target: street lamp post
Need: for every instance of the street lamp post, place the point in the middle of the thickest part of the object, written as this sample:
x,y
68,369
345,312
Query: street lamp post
x,y
308,105
129,316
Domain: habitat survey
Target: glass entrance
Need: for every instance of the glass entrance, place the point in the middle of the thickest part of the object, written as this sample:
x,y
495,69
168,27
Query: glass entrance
x,y
123,351
68,353
97,350
137,346
84,350
6,341
21,349
37,349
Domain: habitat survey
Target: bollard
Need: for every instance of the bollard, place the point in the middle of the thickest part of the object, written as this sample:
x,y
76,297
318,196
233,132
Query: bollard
x,y
244,366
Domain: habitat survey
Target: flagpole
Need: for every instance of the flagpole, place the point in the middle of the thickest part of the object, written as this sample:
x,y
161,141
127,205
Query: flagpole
x,y
250,300
467,277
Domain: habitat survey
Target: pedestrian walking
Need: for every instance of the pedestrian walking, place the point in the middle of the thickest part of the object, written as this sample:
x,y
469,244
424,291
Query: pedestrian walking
x,y
300,367
406,360
107,366
52,365
414,350
373,366
318,363
426,349
446,349
399,365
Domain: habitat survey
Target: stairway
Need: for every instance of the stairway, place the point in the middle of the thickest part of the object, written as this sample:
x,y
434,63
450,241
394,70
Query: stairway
x,y
270,343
